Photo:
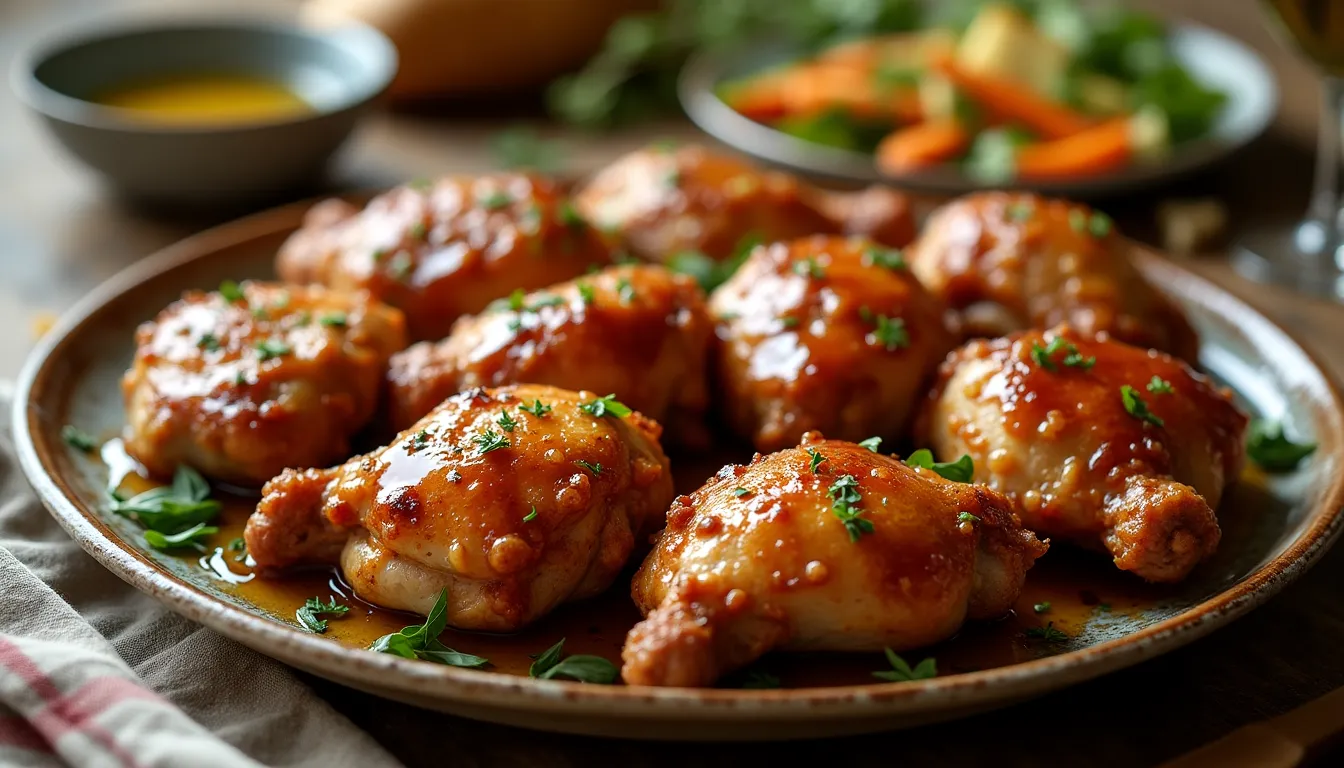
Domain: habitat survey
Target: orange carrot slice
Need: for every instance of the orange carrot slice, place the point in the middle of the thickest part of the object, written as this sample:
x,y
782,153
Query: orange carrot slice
x,y
921,145
1014,102
1101,148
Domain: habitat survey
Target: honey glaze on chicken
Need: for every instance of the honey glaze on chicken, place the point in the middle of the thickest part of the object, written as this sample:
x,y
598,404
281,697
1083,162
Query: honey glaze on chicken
x,y
513,500
827,546
1100,443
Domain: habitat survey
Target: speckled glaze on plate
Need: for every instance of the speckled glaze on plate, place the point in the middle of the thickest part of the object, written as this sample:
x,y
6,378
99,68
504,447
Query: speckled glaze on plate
x,y
1282,525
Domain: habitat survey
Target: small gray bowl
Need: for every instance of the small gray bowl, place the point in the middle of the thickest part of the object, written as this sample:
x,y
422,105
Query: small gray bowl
x,y
338,71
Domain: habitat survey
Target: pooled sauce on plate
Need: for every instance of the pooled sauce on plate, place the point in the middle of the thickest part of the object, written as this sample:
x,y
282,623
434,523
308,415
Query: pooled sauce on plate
x,y
205,99
1082,591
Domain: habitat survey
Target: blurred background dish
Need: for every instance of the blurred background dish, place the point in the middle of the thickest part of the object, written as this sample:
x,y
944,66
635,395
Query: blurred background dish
x,y
206,111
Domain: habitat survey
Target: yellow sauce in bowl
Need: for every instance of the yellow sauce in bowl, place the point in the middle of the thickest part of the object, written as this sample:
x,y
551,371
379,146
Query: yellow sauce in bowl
x,y
206,100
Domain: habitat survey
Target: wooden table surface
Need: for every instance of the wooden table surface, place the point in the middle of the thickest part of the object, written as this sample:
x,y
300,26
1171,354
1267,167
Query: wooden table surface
x,y
61,233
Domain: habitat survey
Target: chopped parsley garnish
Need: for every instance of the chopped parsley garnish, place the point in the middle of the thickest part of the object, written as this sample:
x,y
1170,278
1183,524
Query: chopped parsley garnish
x,y
758,680
261,313
1272,451
239,546
740,492
417,231
887,258
78,439
313,607
901,672
552,663
959,471
585,292
890,333
268,349
1136,407
231,291
1048,633
517,300
625,291
171,509
1078,220
490,441
809,267
506,422
379,254
537,408
422,641
789,322
596,469
495,200
709,273
1020,210
845,497
816,457
191,537
530,516
333,320
208,342
1099,225
546,300
967,517
1041,607
1044,356
419,442
240,378
569,215
872,443
604,406
1160,386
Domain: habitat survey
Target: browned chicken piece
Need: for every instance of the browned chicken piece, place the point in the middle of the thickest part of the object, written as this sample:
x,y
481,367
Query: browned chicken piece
x,y
824,547
824,333
514,500
1100,443
639,332
242,383
445,249
663,201
1009,261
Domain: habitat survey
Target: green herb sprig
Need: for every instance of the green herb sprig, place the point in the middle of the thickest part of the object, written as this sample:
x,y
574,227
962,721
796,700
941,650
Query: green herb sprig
x,y
313,608
552,663
902,672
959,471
422,641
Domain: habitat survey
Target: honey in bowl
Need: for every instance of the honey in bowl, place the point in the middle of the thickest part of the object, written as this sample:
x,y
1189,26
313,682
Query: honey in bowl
x,y
206,99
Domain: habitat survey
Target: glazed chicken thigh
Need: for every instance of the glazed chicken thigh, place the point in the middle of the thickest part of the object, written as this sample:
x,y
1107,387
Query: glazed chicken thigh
x,y
243,382
445,249
1009,261
1100,443
514,500
663,201
640,332
824,333
828,546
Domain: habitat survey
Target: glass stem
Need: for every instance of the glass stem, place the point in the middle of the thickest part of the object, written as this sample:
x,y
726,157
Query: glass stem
x,y
1324,232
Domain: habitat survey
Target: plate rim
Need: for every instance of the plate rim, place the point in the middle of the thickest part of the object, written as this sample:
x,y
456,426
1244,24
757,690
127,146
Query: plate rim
x,y
696,95
464,687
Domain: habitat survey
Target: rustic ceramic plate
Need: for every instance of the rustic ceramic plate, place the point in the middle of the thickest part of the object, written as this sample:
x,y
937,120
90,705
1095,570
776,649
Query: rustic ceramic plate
x,y
1274,529
1212,58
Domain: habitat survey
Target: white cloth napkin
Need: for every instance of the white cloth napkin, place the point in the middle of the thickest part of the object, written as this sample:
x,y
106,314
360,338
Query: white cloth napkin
x,y
95,674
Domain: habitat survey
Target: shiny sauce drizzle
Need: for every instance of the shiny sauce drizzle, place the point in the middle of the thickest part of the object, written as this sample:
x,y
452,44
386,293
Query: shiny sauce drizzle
x,y
1082,590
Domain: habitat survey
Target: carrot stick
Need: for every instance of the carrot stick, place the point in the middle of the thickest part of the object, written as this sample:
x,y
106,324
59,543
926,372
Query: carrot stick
x,y
1010,100
921,145
1101,148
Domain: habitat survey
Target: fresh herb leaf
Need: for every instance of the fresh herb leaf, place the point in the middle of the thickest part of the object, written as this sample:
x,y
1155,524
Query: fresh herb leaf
x,y
992,158
1271,450
1078,220
596,469
740,492
551,664
586,293
171,509
625,291
191,537
495,200
810,267
333,320
845,498
872,443
506,422
789,322
1048,633
208,342
269,349
1160,386
1136,407
237,545
416,231
901,672
530,516
709,273
308,615
521,147
887,258
490,441
401,266
422,641
231,291
569,215
1072,357
816,457
1099,225
1041,607
78,439
967,517
537,408
607,405
890,333
419,441
1020,210
959,471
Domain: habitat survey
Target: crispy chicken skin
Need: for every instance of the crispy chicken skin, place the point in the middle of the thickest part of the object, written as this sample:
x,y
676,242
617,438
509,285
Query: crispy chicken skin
x,y
240,389
442,250
510,532
757,559
640,332
662,201
1009,261
1081,465
824,333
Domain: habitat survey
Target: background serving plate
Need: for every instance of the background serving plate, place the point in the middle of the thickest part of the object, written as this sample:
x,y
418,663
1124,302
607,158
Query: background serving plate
x,y
1214,59
1274,529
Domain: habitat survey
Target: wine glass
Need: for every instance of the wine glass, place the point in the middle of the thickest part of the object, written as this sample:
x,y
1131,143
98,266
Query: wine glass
x,y
1310,255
